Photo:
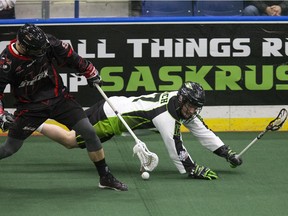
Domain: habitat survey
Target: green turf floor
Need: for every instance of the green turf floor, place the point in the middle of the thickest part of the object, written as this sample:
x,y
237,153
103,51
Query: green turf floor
x,y
43,179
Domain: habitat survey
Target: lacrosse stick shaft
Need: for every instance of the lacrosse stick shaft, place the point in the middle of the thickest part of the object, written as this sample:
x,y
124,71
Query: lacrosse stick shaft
x,y
117,113
251,143
274,125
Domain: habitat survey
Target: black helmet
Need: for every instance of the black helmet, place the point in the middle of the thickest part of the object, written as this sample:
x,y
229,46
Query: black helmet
x,y
33,40
192,93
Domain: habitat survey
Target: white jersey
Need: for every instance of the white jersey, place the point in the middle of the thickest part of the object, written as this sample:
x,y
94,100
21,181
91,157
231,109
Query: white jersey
x,y
161,111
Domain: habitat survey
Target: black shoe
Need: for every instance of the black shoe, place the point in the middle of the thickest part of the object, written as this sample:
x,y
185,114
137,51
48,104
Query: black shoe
x,y
110,182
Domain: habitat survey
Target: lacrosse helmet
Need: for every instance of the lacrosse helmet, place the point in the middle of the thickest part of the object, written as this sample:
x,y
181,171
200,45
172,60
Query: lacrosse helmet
x,y
32,40
193,94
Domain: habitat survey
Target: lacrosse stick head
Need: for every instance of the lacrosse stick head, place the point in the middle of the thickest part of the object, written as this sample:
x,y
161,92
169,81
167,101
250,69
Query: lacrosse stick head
x,y
149,160
277,123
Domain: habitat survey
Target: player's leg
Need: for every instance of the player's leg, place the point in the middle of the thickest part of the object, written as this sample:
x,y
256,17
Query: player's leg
x,y
23,126
71,114
100,122
96,154
10,146
59,134
70,139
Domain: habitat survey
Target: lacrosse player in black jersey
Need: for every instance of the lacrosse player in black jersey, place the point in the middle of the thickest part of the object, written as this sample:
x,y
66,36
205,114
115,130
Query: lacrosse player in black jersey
x,y
164,111
28,65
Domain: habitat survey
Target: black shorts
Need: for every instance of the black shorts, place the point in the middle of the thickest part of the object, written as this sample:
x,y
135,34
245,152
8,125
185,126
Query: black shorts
x,y
96,112
66,111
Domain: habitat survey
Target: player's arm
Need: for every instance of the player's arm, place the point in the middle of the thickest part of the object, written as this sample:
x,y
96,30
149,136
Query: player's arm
x,y
211,141
170,133
6,77
6,118
66,56
206,137
59,135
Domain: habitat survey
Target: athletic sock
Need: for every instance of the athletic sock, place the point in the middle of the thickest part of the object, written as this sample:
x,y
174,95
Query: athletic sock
x,y
101,167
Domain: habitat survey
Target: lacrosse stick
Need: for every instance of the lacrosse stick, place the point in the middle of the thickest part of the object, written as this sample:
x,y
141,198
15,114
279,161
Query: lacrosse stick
x,y
149,160
274,125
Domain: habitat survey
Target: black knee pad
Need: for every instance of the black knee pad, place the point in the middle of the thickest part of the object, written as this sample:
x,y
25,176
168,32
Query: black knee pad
x,y
88,133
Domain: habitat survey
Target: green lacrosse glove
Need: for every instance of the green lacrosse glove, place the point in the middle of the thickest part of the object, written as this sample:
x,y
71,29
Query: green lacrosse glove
x,y
202,172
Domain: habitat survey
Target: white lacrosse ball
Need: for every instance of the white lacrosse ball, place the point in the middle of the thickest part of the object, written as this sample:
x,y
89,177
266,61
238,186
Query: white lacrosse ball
x,y
145,175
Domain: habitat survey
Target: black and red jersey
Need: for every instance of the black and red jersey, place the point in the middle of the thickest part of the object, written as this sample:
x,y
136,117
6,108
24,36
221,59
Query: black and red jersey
x,y
36,81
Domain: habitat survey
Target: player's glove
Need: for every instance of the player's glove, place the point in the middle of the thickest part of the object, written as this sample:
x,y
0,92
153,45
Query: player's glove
x,y
202,172
92,76
6,120
229,155
233,160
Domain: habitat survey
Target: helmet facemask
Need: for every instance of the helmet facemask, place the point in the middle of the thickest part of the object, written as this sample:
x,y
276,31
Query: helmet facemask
x,y
191,98
188,110
33,41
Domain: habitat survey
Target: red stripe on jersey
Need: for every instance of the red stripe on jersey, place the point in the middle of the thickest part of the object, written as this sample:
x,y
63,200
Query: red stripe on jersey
x,y
56,89
1,108
20,114
23,101
70,52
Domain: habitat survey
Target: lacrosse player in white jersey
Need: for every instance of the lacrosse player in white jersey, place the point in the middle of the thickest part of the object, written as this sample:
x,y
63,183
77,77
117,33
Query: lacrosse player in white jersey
x,y
164,111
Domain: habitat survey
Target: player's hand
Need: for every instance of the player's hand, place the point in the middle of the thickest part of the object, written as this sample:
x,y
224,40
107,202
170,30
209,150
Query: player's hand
x,y
233,160
96,80
6,120
92,76
202,172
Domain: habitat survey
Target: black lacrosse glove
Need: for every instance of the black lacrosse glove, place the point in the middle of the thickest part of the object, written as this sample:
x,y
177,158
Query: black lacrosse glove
x,y
92,82
92,76
229,155
233,160
202,172
6,120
